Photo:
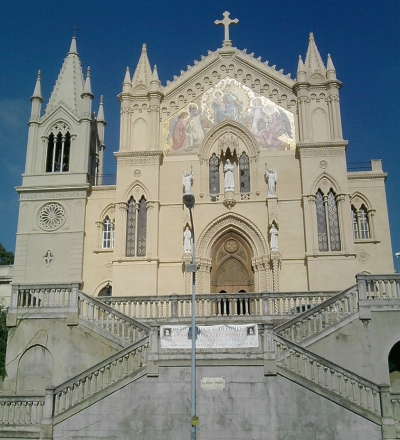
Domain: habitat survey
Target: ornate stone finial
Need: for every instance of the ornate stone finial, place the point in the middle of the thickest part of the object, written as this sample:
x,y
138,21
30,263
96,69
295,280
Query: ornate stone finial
x,y
226,22
88,71
144,48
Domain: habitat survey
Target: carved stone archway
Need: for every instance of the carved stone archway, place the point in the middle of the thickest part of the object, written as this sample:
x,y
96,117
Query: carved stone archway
x,y
252,240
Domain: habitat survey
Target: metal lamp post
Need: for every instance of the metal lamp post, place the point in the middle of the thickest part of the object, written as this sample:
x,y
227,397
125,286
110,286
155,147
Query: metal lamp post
x,y
188,201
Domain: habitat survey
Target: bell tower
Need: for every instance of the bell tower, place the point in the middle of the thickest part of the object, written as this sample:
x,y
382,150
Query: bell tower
x,y
62,159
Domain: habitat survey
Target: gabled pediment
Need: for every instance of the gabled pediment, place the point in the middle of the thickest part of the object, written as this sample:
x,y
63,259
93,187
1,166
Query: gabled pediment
x,y
61,113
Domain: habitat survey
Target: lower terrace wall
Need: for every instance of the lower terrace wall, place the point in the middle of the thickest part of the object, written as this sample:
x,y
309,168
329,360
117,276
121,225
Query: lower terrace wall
x,y
252,407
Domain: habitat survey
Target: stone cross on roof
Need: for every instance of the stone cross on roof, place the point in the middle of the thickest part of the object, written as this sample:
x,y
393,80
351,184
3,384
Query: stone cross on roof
x,y
226,22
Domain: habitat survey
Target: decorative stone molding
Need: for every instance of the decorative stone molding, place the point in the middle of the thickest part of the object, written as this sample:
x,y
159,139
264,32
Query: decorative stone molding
x,y
128,158
231,222
52,195
48,258
227,130
363,256
322,151
51,216
366,175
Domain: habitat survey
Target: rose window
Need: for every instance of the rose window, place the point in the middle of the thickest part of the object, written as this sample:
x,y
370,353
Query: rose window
x,y
51,216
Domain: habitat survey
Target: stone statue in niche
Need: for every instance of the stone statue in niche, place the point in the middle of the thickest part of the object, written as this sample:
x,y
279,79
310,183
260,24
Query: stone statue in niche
x,y
271,177
187,181
273,232
187,241
228,170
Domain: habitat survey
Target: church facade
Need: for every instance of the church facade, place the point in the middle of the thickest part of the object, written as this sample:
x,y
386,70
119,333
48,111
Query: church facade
x,y
282,229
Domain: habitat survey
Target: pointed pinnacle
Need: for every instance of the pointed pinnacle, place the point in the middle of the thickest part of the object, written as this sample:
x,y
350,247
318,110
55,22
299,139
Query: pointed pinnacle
x,y
127,78
37,92
100,114
155,74
87,89
73,50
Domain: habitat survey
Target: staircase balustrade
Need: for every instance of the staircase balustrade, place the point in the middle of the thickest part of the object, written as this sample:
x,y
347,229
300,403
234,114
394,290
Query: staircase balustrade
x,y
320,317
44,295
328,376
379,286
100,377
213,305
102,315
21,410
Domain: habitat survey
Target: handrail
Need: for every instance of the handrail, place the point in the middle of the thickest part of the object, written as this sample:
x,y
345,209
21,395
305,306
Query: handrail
x,y
100,376
320,317
327,375
21,410
99,313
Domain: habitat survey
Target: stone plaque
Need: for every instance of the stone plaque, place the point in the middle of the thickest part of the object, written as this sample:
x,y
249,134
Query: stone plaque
x,y
212,383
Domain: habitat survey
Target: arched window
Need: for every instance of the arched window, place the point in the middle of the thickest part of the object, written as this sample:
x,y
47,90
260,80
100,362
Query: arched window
x,y
244,170
136,228
106,291
214,174
107,241
327,222
361,229
58,153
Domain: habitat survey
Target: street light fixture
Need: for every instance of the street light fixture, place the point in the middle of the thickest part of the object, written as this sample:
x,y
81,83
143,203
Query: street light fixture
x,y
189,201
397,255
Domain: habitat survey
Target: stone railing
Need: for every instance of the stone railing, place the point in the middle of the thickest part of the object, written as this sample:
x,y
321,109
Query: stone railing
x,y
106,317
336,383
320,317
21,410
382,287
214,305
395,401
41,300
100,377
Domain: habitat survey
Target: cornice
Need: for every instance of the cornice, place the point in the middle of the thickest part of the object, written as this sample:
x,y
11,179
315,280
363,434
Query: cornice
x,y
357,175
336,144
103,188
51,189
137,153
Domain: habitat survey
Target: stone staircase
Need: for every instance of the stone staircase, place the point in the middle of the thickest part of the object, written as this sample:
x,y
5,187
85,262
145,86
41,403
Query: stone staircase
x,y
35,416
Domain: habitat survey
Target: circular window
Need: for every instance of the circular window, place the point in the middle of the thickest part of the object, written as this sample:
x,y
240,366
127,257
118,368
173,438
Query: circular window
x,y
51,216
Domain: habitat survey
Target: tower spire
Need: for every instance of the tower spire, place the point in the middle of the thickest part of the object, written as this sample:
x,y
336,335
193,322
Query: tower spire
x,y
313,62
143,72
69,85
36,99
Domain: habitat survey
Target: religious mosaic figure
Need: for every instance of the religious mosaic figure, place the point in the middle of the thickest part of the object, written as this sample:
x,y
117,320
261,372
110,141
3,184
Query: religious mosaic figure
x,y
187,181
228,170
274,237
187,241
272,178
195,127
178,130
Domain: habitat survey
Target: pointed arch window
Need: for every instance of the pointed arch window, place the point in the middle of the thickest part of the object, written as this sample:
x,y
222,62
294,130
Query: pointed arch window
x,y
58,152
107,241
136,228
327,222
244,170
361,229
214,174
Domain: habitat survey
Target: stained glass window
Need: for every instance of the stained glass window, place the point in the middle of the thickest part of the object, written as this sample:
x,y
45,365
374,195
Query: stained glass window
x,y
214,174
108,234
333,219
244,169
142,227
356,234
321,223
131,228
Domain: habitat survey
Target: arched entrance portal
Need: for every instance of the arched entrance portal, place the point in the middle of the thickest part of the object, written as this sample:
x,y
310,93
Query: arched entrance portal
x,y
231,269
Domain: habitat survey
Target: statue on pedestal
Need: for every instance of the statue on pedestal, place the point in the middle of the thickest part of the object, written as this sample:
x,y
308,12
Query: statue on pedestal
x,y
273,237
187,241
229,182
187,181
272,178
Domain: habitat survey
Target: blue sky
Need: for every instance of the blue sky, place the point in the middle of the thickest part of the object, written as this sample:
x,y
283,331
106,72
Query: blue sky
x,y
362,38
